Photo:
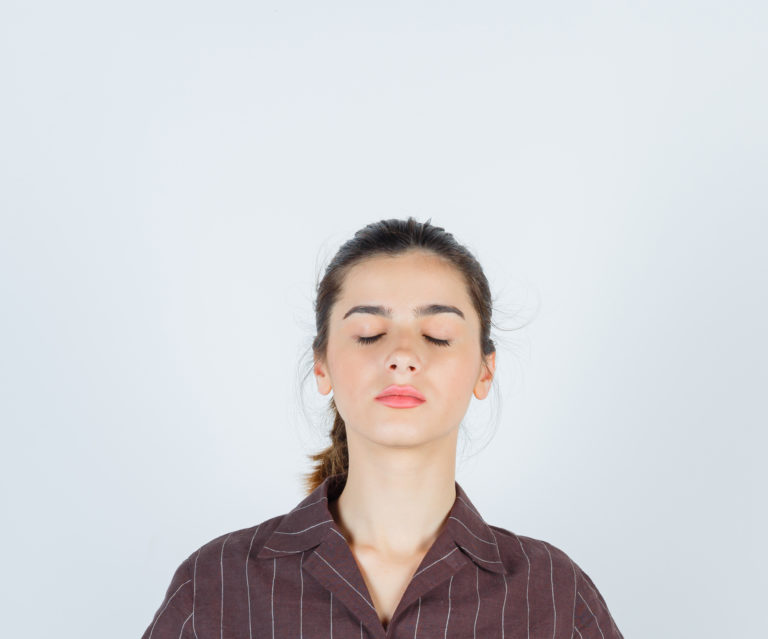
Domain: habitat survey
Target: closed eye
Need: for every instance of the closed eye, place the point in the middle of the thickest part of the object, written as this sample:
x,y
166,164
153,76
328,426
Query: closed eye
x,y
433,340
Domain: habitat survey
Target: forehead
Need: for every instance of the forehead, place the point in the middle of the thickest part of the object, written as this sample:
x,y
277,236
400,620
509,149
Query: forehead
x,y
410,278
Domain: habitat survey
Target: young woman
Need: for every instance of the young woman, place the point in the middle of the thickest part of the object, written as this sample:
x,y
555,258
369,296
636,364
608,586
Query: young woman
x,y
386,544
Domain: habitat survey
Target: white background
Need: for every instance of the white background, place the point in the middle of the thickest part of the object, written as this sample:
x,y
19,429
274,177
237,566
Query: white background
x,y
175,175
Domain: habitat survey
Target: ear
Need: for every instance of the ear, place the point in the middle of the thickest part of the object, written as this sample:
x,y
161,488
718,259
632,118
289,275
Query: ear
x,y
483,385
322,378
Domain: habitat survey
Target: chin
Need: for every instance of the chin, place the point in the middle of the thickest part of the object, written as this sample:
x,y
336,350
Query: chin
x,y
395,433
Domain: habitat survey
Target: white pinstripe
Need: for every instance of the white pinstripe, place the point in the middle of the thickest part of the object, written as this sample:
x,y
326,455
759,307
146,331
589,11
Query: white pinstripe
x,y
552,582
331,615
166,605
487,561
600,601
593,615
272,602
301,597
503,606
445,634
308,505
418,613
577,630
527,582
575,590
247,584
362,596
194,590
505,594
437,561
468,506
339,534
181,632
473,534
221,563
477,613
298,532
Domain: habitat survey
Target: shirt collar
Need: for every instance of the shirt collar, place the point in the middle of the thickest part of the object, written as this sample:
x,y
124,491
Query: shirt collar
x,y
307,525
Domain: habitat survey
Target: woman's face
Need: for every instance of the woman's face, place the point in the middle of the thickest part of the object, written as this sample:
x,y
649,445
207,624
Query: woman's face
x,y
380,299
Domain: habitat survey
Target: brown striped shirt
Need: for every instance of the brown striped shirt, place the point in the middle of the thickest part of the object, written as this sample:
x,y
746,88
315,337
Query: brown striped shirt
x,y
294,576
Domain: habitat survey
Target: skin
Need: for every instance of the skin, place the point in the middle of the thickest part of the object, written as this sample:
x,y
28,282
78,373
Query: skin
x,y
400,486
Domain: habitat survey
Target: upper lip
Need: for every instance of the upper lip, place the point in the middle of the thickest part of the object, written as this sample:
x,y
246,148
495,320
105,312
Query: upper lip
x,y
407,391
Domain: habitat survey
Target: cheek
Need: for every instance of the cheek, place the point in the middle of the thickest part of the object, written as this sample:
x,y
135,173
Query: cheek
x,y
348,366
460,371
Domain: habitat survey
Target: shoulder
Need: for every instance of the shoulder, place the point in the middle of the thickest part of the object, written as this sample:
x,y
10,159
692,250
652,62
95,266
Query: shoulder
x,y
197,581
549,571
535,553
230,546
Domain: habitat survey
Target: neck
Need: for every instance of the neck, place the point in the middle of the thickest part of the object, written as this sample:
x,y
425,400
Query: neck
x,y
395,504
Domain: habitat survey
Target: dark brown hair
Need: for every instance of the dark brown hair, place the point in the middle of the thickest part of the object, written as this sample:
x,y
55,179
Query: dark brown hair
x,y
387,237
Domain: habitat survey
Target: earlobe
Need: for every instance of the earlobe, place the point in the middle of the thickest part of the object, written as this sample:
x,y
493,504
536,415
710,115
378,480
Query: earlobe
x,y
483,385
481,389
322,379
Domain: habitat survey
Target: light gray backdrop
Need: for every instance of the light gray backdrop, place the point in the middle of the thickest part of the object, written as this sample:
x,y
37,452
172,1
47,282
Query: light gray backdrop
x,y
173,176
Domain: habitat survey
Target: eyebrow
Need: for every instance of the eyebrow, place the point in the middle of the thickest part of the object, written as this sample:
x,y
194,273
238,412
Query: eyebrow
x,y
428,309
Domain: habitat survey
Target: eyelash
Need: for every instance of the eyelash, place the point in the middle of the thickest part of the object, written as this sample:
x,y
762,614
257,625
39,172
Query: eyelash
x,y
436,342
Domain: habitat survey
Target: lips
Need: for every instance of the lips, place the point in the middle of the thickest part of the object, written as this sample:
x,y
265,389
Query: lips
x,y
399,401
400,397
401,391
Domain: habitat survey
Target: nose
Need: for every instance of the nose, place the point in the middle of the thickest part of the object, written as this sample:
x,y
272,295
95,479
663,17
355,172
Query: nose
x,y
403,359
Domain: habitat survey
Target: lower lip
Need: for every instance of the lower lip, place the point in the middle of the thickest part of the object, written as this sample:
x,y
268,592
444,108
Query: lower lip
x,y
400,401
